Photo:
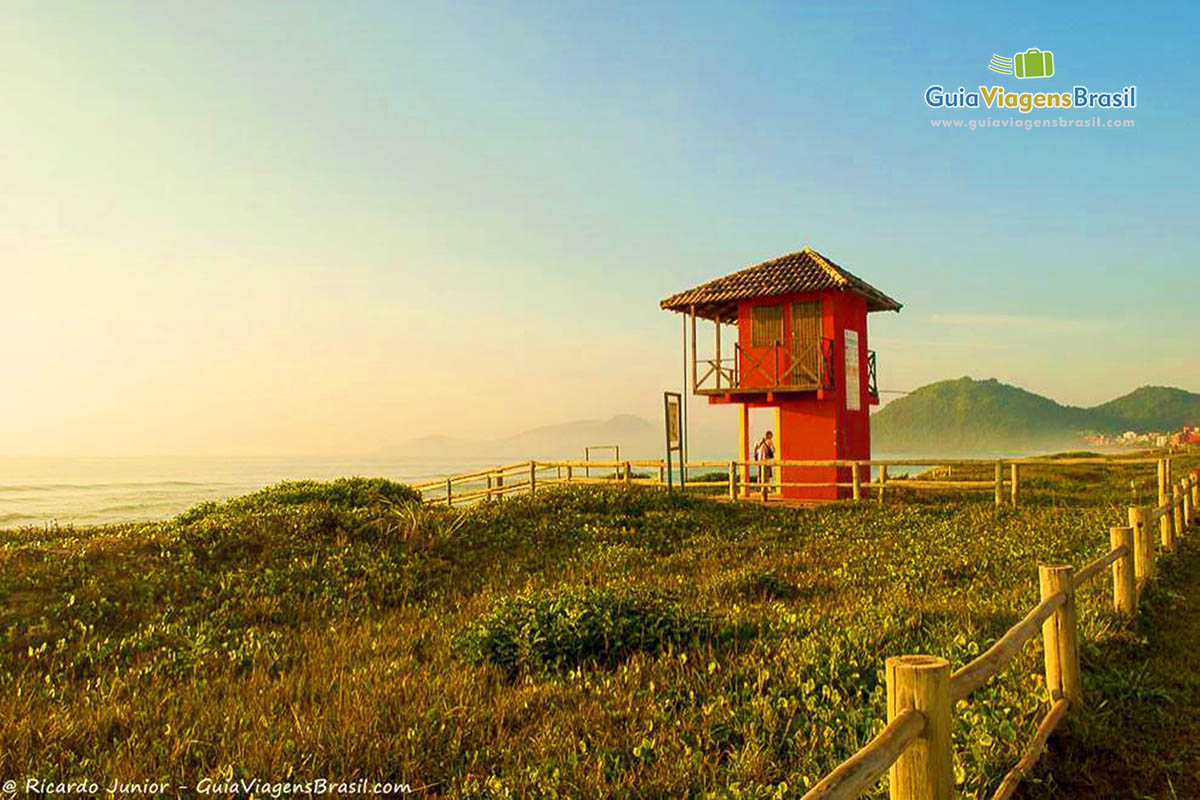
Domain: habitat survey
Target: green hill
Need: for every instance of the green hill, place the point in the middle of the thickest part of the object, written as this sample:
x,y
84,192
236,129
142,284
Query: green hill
x,y
969,415
1157,408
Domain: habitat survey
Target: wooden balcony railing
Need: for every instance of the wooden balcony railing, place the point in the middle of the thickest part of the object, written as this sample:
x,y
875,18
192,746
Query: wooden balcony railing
x,y
767,369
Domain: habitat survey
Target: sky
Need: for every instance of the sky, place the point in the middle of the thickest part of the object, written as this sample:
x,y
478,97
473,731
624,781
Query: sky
x,y
317,227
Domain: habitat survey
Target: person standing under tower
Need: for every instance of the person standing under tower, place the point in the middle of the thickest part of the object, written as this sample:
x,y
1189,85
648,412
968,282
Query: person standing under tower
x,y
765,451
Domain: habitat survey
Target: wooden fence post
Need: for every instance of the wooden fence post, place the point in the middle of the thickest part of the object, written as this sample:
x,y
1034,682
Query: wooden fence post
x,y
532,478
733,480
882,481
1185,504
1195,494
1176,515
1143,545
925,770
500,485
628,473
856,482
999,484
1016,484
1189,510
1166,523
1124,578
1059,635
449,493
489,486
570,473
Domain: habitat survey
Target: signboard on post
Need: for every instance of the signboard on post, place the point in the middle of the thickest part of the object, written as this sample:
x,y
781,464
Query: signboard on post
x,y
853,380
673,421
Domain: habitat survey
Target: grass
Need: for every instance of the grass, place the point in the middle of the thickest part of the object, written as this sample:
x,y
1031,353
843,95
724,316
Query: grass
x,y
590,642
1139,735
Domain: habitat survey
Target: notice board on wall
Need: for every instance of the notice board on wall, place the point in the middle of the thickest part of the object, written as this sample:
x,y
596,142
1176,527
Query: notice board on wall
x,y
853,382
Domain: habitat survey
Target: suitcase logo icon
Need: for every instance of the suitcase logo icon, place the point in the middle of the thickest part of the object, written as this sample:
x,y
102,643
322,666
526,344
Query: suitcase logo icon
x,y
1033,63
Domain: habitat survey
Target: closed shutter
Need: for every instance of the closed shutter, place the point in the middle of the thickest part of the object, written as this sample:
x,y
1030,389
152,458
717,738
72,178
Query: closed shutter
x,y
766,326
806,344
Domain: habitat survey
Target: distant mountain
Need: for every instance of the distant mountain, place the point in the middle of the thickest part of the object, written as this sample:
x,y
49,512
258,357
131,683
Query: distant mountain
x,y
637,438
1150,408
956,416
969,415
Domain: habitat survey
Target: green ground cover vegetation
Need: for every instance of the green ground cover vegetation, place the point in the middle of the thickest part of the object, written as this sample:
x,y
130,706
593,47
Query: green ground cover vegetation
x,y
589,642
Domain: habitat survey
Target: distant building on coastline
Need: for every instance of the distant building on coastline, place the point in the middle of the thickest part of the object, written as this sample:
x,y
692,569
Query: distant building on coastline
x,y
1189,435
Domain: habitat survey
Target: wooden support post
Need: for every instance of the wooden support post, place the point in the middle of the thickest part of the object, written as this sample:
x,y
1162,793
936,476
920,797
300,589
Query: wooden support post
x,y
777,472
856,481
628,474
1016,484
1143,545
717,328
925,770
570,473
489,487
693,316
733,480
500,485
1059,636
1124,577
449,493
999,484
744,446
882,481
532,478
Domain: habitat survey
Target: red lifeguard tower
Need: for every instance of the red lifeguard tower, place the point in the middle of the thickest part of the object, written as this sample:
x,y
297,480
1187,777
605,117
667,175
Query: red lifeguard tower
x,y
801,349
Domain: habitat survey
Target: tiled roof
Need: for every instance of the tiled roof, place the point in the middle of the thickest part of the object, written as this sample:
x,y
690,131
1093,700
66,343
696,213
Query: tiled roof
x,y
805,271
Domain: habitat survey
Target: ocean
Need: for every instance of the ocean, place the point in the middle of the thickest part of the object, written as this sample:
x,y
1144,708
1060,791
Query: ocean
x,y
42,491
98,491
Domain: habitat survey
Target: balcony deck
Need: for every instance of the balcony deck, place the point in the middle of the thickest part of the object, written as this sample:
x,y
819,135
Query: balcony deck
x,y
774,370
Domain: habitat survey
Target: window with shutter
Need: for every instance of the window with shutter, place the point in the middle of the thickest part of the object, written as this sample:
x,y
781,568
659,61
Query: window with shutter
x,y
766,326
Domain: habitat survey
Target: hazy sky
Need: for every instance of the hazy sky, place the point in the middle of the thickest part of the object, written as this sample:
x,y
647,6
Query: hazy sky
x,y
326,227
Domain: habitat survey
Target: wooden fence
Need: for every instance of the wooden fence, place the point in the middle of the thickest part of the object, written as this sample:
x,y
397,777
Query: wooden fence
x,y
915,746
527,477
744,479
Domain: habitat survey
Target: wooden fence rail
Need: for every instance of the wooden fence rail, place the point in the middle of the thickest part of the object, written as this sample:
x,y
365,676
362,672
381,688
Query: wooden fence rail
x,y
746,479
912,751
914,746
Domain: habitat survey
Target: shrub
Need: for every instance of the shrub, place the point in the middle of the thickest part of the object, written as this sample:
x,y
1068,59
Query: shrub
x,y
342,493
559,630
